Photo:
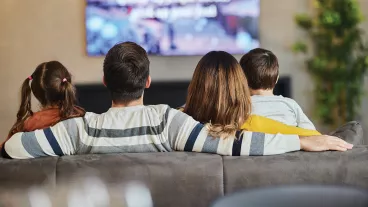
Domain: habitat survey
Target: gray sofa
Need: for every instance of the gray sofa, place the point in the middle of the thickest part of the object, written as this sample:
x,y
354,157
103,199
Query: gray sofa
x,y
191,179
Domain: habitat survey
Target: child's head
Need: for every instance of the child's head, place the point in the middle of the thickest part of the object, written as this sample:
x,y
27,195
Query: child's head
x,y
51,85
261,68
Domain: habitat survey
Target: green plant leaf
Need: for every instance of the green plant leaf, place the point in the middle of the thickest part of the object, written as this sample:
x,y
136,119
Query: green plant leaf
x,y
299,47
330,18
340,58
304,21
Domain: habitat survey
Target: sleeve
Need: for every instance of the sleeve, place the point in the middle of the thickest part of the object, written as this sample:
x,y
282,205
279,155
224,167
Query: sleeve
x,y
257,123
52,141
186,134
302,119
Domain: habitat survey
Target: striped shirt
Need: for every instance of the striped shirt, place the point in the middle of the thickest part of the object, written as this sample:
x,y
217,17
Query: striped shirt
x,y
156,128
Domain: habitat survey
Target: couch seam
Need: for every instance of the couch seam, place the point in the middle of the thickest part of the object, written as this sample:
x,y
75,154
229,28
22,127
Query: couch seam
x,y
56,170
223,176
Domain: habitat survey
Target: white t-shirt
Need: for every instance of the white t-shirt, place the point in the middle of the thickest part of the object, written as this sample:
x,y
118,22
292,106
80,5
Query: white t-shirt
x,y
281,109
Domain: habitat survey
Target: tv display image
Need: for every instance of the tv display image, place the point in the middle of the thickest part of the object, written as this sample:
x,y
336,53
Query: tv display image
x,y
173,27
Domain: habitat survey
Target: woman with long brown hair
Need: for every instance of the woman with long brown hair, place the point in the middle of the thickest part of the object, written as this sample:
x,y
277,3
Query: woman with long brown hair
x,y
219,95
51,84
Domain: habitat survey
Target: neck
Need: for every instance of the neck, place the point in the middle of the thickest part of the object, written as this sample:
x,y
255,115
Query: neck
x,y
138,102
261,92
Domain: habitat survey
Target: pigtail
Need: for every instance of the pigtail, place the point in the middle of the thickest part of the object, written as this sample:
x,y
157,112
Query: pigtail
x,y
68,109
25,109
67,104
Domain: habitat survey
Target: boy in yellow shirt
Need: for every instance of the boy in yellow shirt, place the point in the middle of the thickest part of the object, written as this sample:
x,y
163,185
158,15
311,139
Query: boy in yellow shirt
x,y
261,68
277,114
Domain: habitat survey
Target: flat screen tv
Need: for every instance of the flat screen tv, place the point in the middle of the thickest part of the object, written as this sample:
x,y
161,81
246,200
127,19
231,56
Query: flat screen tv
x,y
173,27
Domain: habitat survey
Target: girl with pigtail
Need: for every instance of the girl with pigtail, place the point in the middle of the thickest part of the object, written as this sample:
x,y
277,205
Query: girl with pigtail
x,y
51,84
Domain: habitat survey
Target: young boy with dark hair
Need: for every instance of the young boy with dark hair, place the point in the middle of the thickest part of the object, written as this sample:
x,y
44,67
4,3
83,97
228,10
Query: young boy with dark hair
x,y
261,68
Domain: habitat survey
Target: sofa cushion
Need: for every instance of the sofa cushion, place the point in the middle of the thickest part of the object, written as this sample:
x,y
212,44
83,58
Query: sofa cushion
x,y
348,167
25,173
175,179
351,132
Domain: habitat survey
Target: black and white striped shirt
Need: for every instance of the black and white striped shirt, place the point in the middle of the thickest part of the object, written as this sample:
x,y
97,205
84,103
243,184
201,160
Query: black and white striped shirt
x,y
156,128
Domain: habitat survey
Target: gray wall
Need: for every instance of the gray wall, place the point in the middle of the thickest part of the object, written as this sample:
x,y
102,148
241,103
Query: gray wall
x,y
33,31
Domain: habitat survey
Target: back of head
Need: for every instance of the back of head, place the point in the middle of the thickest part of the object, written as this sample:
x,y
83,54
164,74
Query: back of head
x,y
218,94
52,87
50,82
261,68
126,69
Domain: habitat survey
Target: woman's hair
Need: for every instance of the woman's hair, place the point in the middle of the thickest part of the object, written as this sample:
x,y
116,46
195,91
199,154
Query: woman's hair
x,y
218,94
51,85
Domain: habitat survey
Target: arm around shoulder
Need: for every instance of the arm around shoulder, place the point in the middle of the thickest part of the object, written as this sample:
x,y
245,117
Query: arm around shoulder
x,y
258,144
186,134
52,141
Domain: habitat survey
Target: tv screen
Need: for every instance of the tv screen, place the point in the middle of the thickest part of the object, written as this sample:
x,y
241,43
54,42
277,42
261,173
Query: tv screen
x,y
173,27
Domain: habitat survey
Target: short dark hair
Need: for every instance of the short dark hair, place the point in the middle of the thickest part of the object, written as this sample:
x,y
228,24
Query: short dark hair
x,y
126,69
261,68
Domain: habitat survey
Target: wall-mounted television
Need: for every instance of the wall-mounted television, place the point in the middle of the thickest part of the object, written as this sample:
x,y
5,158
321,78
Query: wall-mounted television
x,y
173,27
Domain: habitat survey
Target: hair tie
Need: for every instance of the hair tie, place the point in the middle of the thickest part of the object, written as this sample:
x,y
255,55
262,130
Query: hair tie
x,y
65,80
30,77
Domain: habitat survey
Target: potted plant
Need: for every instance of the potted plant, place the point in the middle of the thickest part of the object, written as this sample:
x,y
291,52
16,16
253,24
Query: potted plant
x,y
337,58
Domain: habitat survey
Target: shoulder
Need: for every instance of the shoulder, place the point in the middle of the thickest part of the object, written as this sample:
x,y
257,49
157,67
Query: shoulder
x,y
77,122
170,113
289,100
293,104
158,109
267,98
90,114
